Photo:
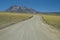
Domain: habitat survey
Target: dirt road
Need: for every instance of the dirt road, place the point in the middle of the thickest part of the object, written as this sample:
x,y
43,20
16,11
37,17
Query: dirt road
x,y
32,29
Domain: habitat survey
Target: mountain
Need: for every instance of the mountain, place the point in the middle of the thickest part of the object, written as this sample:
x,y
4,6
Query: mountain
x,y
21,9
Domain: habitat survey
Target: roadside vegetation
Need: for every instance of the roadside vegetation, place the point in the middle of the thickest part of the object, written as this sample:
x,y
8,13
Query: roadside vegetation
x,y
8,18
53,20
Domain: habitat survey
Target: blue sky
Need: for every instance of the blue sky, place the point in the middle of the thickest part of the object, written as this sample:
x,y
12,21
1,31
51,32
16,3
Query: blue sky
x,y
39,5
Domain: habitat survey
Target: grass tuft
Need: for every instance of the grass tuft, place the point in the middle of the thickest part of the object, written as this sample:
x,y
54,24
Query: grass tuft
x,y
7,18
53,20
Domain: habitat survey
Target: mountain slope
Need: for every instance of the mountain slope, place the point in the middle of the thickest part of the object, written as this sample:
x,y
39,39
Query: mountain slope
x,y
22,9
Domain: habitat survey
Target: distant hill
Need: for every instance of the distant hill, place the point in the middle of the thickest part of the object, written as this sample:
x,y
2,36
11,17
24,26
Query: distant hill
x,y
21,9
50,12
54,13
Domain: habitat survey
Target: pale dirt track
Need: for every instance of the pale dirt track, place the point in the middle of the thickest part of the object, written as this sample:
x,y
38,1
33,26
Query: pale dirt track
x,y
31,29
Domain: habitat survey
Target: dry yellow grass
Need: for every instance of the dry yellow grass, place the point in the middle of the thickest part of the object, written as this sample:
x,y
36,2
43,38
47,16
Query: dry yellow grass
x,y
53,20
7,18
